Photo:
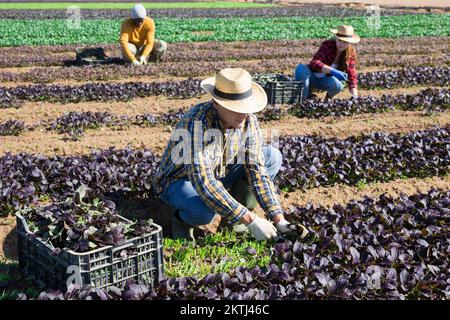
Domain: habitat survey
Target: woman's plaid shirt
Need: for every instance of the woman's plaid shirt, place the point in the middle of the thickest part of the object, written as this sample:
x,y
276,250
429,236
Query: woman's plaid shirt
x,y
326,55
196,153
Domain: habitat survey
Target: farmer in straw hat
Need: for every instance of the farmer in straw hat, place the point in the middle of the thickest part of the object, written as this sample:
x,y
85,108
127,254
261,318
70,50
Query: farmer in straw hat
x,y
216,162
332,65
137,38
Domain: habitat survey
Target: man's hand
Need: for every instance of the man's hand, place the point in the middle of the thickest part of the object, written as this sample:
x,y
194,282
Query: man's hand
x,y
136,63
143,60
282,226
262,229
354,93
292,230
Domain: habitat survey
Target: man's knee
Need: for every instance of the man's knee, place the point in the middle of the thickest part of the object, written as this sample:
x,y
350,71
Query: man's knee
x,y
133,50
161,46
273,159
196,219
159,49
205,219
302,72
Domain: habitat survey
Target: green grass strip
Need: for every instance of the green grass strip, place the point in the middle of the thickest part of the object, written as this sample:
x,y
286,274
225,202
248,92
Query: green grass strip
x,y
221,252
56,31
129,5
13,282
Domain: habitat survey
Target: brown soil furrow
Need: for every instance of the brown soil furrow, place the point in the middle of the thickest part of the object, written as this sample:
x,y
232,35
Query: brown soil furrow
x,y
33,112
343,194
345,94
156,78
367,45
393,122
49,142
8,245
62,82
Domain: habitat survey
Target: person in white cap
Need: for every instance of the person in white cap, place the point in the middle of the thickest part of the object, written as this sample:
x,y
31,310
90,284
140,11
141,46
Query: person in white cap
x,y
211,179
137,38
333,65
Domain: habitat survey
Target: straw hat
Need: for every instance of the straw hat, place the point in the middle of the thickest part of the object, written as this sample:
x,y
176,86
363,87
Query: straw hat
x,y
346,34
234,89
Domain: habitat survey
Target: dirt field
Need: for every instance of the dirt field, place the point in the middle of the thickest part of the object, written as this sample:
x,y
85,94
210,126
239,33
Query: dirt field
x,y
50,143
384,3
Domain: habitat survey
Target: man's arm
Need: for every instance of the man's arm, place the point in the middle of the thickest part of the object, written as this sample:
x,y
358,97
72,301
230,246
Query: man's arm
x,y
150,38
124,31
257,174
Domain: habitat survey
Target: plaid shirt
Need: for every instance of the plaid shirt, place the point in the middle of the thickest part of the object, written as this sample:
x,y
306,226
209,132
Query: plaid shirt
x,y
326,56
207,162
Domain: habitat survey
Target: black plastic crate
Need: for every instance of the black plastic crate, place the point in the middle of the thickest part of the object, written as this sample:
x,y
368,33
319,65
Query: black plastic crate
x,y
280,89
100,268
91,56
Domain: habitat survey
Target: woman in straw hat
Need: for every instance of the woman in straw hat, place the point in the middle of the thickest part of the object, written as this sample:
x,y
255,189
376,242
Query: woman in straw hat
x,y
199,177
332,65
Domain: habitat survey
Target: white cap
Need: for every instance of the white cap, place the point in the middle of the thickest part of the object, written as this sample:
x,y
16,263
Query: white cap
x,y
138,12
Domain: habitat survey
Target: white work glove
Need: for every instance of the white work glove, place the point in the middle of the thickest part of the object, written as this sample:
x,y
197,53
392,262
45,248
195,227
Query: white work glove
x,y
262,229
282,226
286,228
136,63
143,60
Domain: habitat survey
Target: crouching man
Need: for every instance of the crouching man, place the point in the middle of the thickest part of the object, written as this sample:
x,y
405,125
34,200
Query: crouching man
x,y
137,38
207,168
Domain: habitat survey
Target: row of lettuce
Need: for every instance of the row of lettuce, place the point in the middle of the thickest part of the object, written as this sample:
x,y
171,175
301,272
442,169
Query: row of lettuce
x,y
98,31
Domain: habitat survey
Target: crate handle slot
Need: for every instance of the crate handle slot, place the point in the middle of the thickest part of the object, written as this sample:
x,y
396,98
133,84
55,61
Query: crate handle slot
x,y
124,246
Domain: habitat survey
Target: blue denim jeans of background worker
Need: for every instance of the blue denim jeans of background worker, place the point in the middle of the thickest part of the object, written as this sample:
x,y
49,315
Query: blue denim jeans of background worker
x,y
193,211
328,83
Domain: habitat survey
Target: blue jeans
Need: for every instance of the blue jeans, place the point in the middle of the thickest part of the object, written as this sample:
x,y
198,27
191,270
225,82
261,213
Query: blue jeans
x,y
193,211
329,83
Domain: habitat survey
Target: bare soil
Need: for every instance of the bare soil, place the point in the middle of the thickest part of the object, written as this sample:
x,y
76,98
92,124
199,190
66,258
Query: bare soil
x,y
49,142
418,5
34,112
343,194
344,127
8,242
68,82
